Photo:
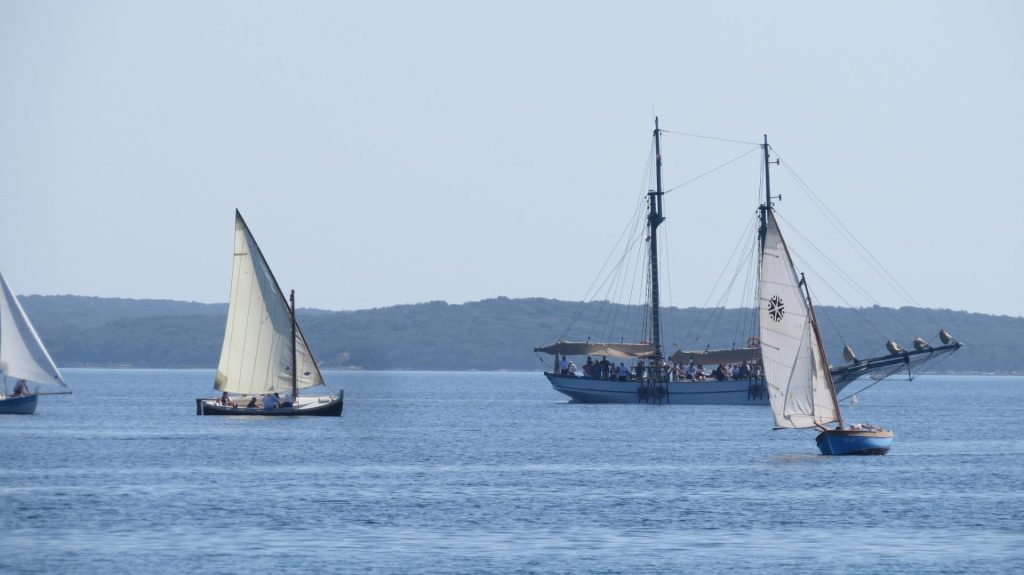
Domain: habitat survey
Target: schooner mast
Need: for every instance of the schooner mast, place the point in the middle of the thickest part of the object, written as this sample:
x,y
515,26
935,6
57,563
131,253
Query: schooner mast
x,y
654,219
767,206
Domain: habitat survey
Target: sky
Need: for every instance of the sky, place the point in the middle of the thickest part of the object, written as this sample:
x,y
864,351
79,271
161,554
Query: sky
x,y
388,153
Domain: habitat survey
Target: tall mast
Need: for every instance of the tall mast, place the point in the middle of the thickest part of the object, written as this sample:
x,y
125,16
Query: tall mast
x,y
654,219
295,356
767,205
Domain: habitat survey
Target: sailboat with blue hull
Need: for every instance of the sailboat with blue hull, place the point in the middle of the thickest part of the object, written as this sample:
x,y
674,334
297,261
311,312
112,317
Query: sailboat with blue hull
x,y
23,357
800,386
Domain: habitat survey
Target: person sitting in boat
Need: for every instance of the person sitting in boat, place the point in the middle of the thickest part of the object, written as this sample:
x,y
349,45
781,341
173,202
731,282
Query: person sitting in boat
x,y
252,403
623,371
270,401
744,371
225,400
288,400
700,375
691,370
572,369
20,388
720,373
588,368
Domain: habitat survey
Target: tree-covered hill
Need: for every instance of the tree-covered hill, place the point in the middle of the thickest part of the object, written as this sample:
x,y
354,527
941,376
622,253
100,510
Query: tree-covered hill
x,y
491,334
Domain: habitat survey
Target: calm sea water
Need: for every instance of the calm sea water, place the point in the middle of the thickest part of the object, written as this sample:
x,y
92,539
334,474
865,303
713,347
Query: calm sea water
x,y
496,473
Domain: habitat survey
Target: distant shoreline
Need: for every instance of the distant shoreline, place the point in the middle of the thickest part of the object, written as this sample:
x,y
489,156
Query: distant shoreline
x,y
496,334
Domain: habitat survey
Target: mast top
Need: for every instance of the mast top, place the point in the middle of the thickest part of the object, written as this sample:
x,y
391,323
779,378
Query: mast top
x,y
767,178
767,205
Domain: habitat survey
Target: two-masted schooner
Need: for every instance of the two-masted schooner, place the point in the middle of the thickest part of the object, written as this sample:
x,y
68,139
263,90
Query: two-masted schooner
x,y
654,376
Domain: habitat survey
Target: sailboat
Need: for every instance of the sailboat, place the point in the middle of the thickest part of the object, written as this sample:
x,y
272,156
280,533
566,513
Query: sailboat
x,y
651,376
800,385
265,360
23,357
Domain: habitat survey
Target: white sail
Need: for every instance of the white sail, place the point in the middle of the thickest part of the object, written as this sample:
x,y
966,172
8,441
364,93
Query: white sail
x,y
256,357
794,364
22,354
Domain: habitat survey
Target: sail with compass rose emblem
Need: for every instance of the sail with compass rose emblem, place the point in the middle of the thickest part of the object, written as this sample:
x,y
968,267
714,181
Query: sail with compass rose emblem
x,y
794,363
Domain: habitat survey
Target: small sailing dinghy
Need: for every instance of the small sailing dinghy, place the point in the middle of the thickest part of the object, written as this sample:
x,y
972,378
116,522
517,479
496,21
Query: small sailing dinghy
x,y
800,387
265,361
22,357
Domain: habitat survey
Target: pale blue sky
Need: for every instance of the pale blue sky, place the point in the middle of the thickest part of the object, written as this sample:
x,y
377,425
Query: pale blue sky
x,y
400,152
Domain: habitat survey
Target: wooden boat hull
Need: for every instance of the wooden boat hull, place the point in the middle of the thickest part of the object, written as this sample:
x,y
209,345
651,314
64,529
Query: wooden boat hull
x,y
327,406
22,405
854,442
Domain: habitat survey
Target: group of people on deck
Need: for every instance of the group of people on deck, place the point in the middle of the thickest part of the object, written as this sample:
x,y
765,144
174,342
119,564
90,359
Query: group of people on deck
x,y
655,370
270,401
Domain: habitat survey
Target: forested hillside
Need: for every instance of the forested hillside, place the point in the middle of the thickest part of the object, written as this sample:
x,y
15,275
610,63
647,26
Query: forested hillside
x,y
486,335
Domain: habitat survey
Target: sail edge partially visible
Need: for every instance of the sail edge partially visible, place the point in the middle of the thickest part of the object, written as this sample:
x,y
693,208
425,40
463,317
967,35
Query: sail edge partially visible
x,y
22,353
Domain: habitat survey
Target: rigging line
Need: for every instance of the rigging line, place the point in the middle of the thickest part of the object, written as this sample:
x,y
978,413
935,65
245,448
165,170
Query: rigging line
x,y
614,293
723,300
620,272
743,240
863,389
938,361
920,363
835,328
741,264
630,262
852,239
710,138
743,321
615,280
668,274
828,317
819,278
830,262
630,225
642,247
690,181
750,293
594,286
835,267
842,274
637,284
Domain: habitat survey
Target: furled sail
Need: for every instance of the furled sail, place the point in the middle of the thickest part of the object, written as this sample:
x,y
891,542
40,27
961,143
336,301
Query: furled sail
x,y
256,357
794,363
713,356
22,355
619,350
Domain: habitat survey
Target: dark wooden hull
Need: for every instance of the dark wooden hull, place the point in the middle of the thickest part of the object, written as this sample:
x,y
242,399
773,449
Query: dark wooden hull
x,y
22,404
332,408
